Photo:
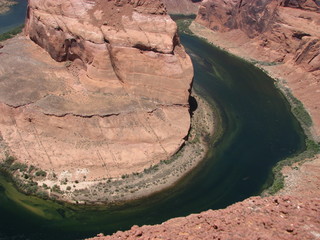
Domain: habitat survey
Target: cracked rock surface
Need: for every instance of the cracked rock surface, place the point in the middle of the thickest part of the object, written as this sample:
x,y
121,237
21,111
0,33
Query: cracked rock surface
x,y
95,87
280,218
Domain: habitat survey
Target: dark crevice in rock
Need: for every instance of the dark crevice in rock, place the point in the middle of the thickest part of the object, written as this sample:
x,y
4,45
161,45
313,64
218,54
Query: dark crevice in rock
x,y
300,35
113,114
193,105
82,115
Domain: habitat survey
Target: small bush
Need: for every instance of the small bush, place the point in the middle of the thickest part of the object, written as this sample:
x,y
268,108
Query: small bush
x,y
31,168
56,188
42,194
18,166
41,173
9,160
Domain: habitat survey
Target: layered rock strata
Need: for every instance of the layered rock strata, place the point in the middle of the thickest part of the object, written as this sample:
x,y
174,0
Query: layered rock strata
x,y
101,90
282,36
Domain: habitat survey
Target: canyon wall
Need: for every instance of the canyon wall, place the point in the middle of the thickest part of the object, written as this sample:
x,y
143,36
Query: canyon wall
x,y
101,91
283,36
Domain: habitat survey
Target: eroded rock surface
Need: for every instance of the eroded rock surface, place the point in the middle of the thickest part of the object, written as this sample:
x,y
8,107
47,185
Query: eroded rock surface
x,y
99,91
284,36
280,218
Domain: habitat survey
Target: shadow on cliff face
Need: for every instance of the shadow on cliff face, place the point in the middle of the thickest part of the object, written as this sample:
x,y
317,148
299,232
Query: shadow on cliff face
x,y
193,105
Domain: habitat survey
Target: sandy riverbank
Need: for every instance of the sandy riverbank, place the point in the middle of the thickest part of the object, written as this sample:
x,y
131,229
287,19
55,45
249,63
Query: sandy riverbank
x,y
5,6
295,84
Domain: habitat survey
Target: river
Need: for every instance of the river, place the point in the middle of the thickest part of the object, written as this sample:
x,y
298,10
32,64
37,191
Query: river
x,y
259,131
15,17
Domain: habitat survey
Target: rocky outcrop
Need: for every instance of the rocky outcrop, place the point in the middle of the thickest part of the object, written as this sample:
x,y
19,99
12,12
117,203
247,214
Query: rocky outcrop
x,y
185,7
292,34
280,218
110,98
116,40
311,5
282,34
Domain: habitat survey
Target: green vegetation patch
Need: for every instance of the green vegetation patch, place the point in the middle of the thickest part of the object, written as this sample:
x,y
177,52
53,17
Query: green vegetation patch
x,y
23,176
298,110
10,34
261,63
312,148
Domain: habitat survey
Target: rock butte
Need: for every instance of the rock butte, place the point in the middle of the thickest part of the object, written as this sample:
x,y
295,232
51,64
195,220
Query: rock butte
x,y
110,98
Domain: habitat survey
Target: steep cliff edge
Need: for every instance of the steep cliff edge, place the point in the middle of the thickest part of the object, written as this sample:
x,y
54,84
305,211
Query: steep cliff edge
x,y
283,37
110,100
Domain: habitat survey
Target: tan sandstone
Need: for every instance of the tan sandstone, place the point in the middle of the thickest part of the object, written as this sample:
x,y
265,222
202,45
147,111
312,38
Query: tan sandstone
x,y
96,90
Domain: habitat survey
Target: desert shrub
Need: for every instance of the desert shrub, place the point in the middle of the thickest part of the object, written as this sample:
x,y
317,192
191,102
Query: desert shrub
x,y
41,173
18,166
56,189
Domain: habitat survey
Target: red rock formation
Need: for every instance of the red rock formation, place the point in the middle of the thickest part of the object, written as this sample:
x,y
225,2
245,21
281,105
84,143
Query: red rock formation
x,y
311,5
281,218
113,101
115,40
283,33
273,23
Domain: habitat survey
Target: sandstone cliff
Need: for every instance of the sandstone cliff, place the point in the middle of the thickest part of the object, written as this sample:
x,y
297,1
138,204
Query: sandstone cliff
x,y
113,101
283,36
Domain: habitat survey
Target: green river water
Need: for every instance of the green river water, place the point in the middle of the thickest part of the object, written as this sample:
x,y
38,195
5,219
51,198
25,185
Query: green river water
x,y
259,131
